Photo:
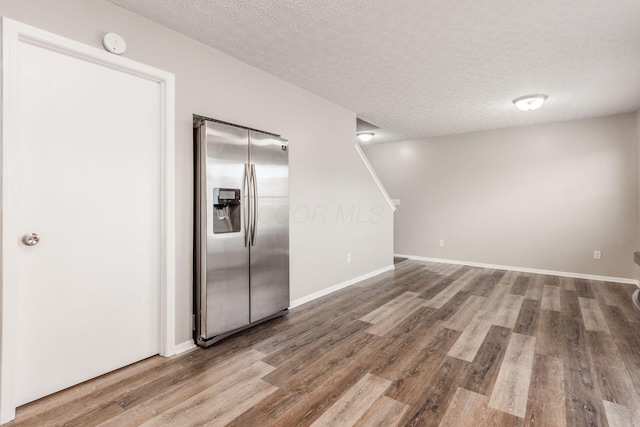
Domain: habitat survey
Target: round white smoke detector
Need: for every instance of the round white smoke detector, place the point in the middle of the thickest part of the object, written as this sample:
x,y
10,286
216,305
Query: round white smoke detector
x,y
114,43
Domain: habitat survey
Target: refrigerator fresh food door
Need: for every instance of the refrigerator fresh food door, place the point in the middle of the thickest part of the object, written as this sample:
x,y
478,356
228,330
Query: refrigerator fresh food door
x,y
222,265
269,230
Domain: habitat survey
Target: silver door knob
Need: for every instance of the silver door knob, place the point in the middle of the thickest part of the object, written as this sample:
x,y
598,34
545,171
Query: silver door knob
x,y
31,239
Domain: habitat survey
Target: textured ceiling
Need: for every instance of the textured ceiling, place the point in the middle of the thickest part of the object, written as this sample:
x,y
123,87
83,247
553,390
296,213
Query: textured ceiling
x,y
421,68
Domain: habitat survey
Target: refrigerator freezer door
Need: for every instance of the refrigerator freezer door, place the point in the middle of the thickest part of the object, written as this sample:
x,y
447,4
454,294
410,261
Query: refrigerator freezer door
x,y
222,267
270,245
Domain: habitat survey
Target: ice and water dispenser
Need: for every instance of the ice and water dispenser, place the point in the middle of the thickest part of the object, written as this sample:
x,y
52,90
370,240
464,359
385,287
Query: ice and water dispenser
x,y
226,210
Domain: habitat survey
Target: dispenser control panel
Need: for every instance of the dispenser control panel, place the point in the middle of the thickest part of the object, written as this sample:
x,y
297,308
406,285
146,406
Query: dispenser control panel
x,y
226,196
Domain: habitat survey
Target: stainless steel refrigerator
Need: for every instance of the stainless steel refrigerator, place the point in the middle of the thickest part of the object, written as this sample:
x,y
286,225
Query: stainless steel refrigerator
x,y
241,228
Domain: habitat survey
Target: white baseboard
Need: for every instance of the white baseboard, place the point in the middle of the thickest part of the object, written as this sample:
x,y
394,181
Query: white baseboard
x,y
184,347
327,291
190,345
525,270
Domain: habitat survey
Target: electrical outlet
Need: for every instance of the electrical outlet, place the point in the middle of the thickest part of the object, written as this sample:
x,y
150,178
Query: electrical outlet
x,y
441,242
597,255
348,258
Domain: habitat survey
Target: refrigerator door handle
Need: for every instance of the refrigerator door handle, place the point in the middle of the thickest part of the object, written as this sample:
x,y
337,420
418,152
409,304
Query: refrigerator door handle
x,y
247,207
254,183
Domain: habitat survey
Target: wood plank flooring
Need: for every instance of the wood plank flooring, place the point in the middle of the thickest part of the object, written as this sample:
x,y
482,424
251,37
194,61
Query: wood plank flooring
x,y
424,345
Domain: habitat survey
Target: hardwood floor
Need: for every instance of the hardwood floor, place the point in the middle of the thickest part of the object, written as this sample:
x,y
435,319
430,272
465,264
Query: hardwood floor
x,y
424,345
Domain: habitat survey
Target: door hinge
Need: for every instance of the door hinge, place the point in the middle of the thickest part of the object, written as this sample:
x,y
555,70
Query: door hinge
x,y
193,322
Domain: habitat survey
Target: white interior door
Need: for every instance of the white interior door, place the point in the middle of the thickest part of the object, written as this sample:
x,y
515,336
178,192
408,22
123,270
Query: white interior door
x,y
87,180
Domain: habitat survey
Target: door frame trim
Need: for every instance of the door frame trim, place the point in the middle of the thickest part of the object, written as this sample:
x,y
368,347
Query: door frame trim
x,y
13,33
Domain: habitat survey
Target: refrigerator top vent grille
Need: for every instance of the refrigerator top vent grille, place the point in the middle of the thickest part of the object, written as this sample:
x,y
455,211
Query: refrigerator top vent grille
x,y
197,121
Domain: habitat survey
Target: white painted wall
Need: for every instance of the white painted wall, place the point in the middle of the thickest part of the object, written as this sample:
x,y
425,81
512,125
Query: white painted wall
x,y
637,246
638,176
336,206
542,197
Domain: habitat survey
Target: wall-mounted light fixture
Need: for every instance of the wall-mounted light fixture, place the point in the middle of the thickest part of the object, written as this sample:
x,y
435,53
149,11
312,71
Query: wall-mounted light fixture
x,y
530,102
365,136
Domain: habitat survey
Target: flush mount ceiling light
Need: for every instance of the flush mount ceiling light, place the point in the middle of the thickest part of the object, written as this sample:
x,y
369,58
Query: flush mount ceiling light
x,y
530,102
365,136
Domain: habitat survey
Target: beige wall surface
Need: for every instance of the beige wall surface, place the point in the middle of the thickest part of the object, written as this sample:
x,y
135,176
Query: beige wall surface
x,y
542,197
336,207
